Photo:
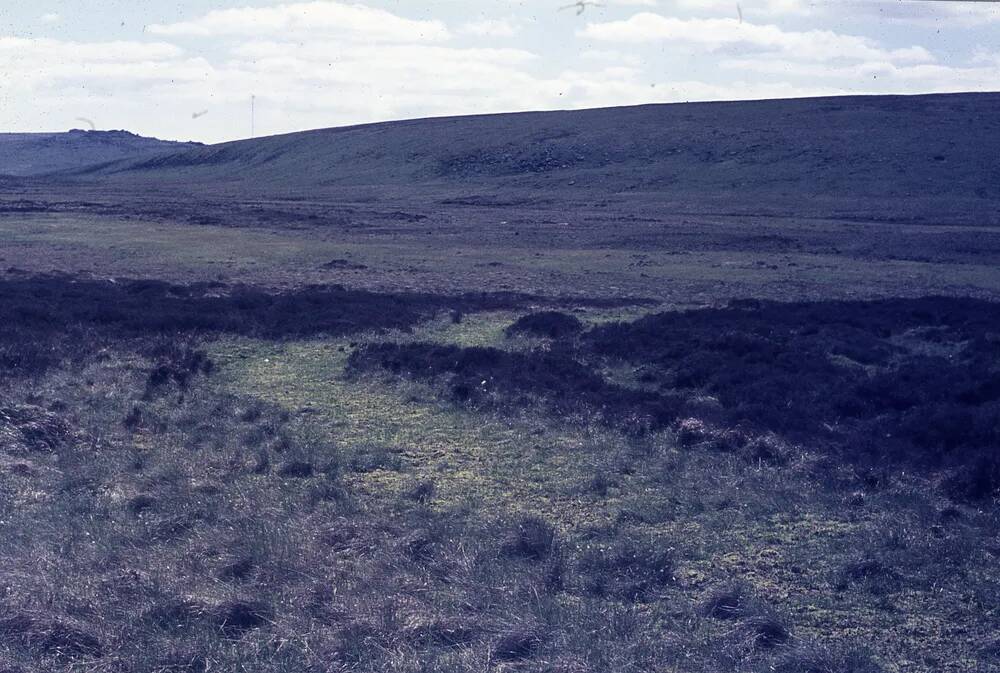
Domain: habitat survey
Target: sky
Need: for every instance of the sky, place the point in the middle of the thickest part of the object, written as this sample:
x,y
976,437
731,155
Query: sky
x,y
188,69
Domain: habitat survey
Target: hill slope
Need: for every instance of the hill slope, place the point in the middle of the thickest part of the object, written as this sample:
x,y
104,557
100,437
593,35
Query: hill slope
x,y
29,154
878,146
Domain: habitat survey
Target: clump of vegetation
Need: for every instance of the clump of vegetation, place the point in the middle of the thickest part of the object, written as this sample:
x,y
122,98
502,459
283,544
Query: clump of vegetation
x,y
871,574
176,365
764,632
296,469
730,602
976,481
532,538
627,569
547,324
422,492
904,380
516,645
48,637
237,617
28,429
490,377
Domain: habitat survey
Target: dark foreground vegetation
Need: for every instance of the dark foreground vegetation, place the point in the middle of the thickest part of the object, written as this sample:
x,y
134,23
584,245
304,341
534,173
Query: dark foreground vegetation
x,y
155,521
499,379
909,382
913,382
47,318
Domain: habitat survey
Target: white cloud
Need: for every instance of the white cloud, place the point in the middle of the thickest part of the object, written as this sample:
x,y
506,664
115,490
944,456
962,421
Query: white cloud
x,y
51,17
313,18
613,55
385,79
40,65
153,88
41,51
490,28
714,34
984,56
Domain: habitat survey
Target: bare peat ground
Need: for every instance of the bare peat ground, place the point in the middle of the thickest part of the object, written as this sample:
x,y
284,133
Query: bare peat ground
x,y
454,428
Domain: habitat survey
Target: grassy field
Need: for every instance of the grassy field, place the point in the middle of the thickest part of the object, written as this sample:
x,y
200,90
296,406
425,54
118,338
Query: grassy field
x,y
770,527
207,464
683,261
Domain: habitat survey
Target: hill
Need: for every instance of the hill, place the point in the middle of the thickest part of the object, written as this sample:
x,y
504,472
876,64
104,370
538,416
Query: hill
x,y
31,154
878,147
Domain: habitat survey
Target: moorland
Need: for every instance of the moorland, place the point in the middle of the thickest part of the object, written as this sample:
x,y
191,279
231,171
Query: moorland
x,y
696,387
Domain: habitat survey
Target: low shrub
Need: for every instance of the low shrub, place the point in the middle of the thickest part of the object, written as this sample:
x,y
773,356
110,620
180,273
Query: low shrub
x,y
898,381
547,324
296,469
